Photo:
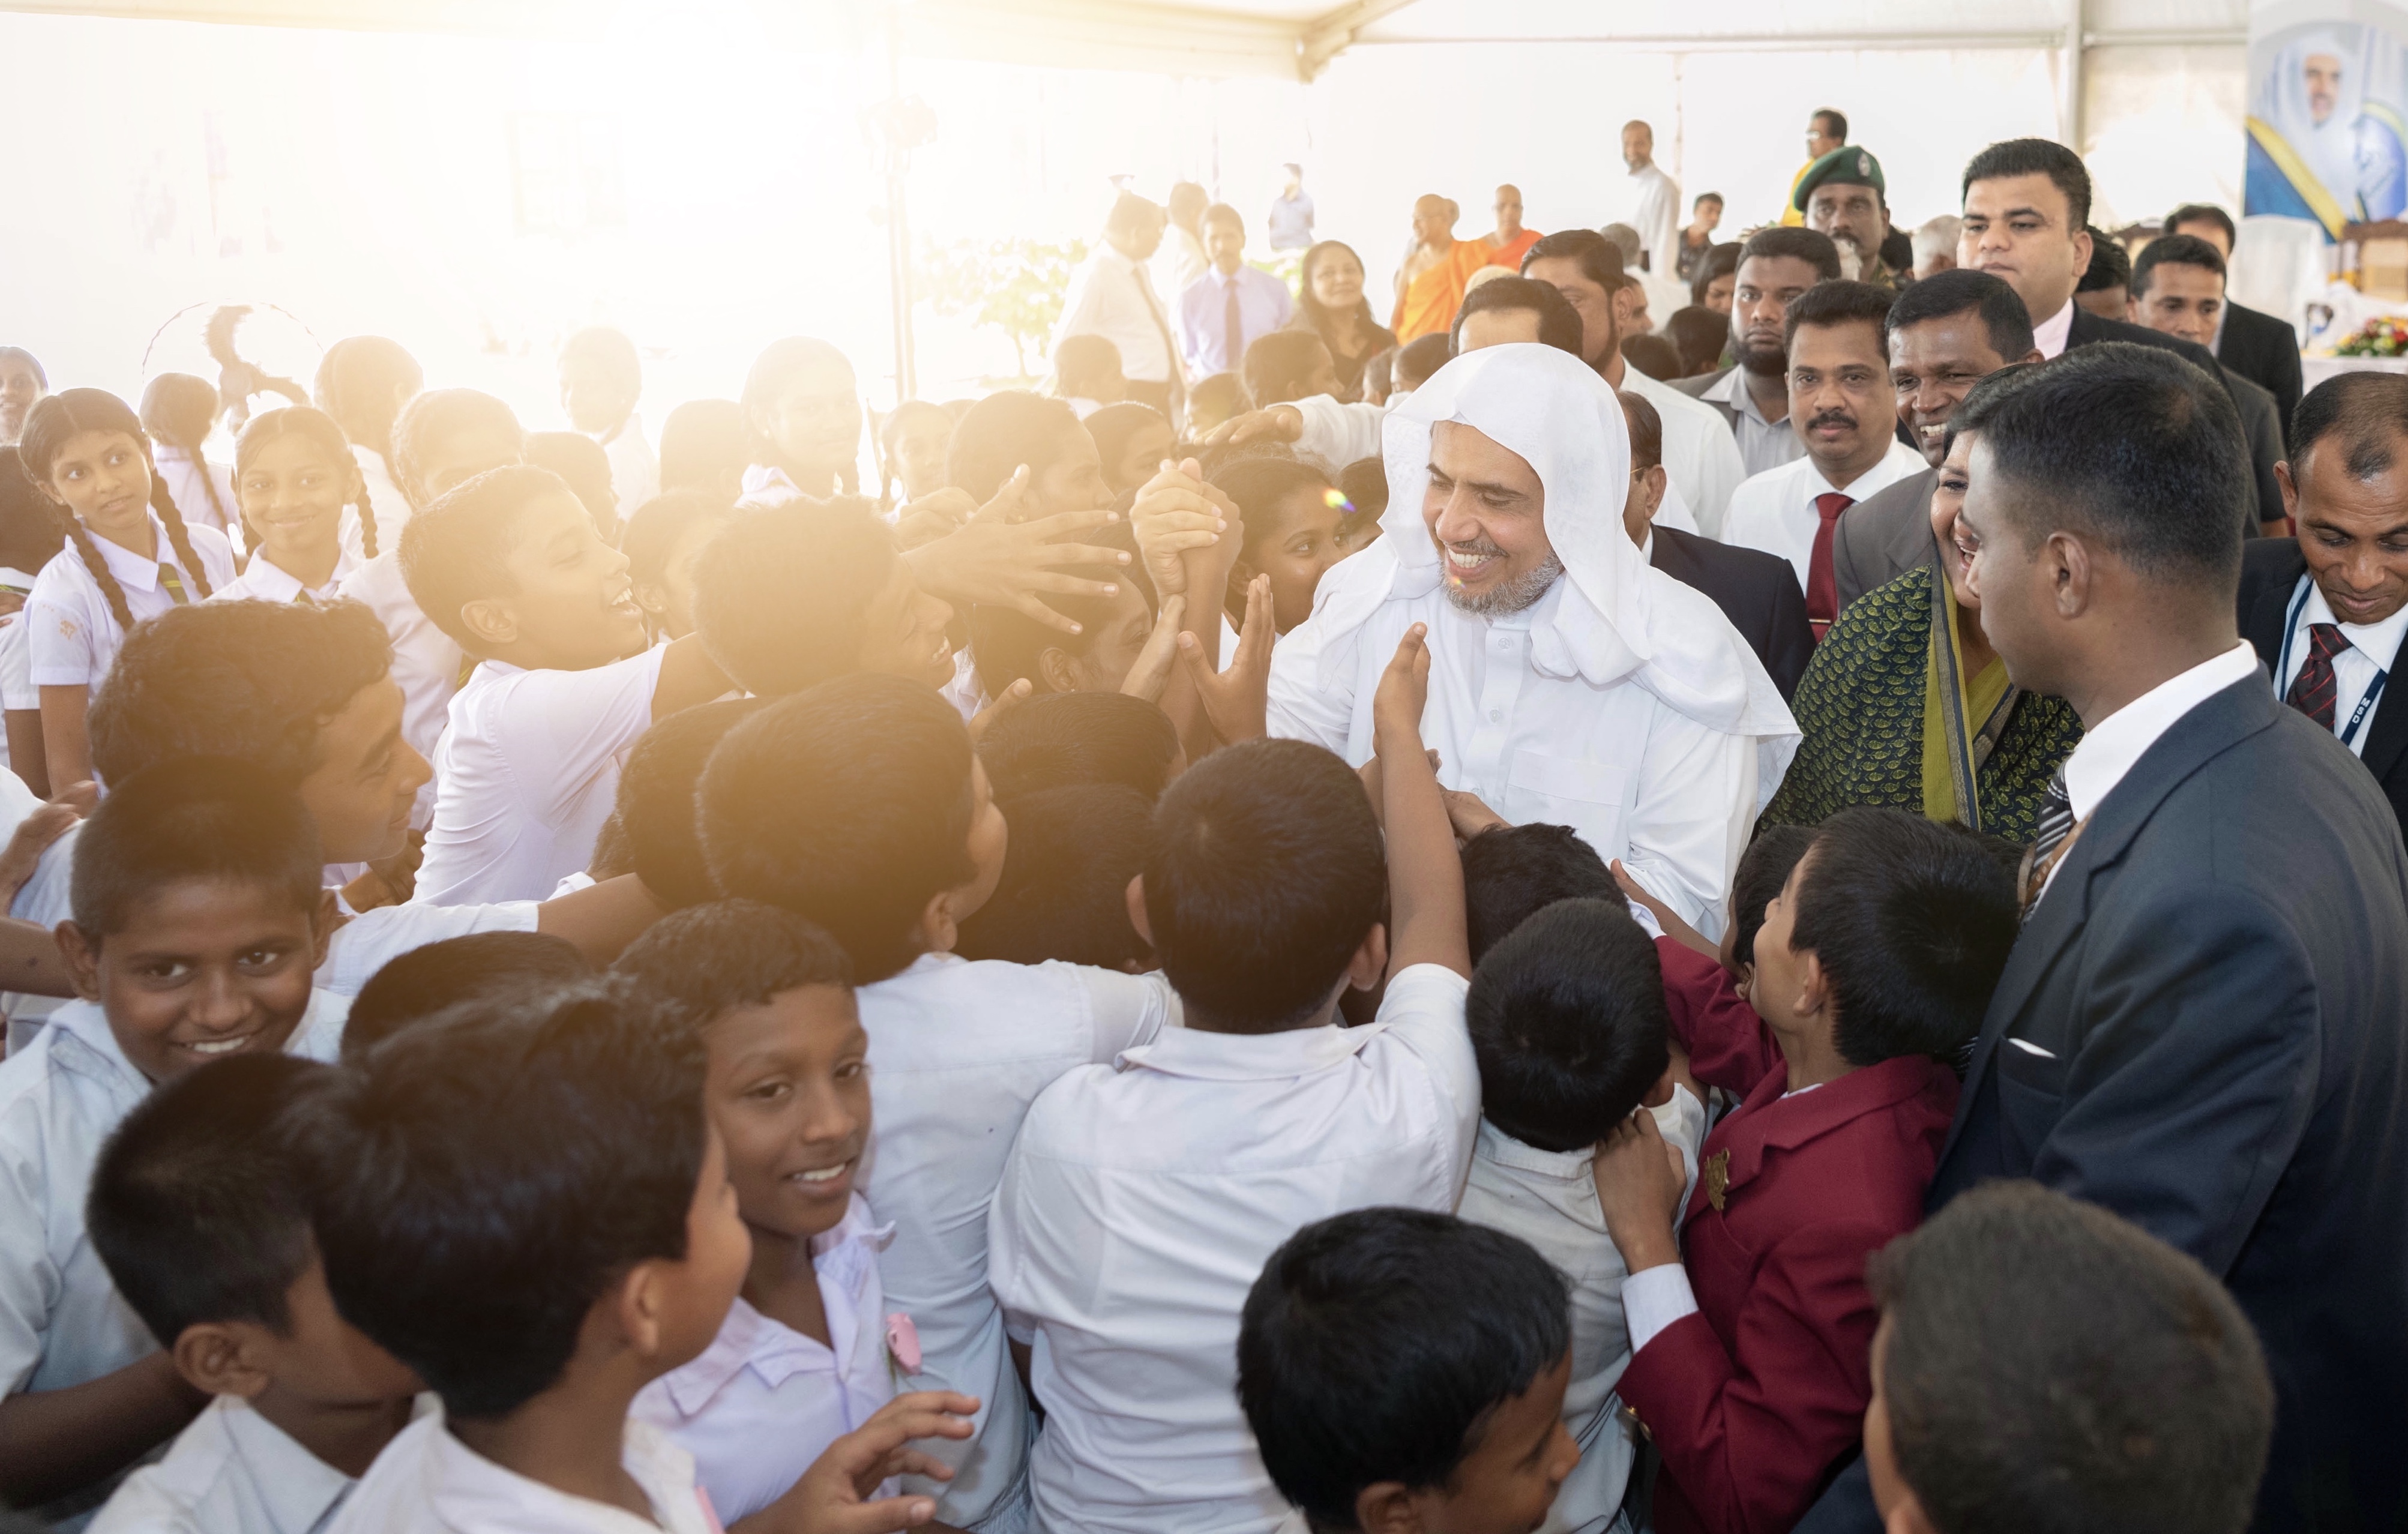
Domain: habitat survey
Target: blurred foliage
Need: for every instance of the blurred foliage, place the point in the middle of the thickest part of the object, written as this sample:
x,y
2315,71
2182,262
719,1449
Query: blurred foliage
x,y
1016,286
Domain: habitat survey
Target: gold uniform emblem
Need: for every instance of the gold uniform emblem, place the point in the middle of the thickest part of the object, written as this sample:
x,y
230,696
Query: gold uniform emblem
x,y
1717,1170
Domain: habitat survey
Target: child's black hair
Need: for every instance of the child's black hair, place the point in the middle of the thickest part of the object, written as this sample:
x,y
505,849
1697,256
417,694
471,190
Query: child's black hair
x,y
2051,1367
704,445
779,594
849,804
1763,870
457,551
1911,922
1261,487
182,410
30,535
706,961
1064,894
1378,1345
1056,739
441,413
363,381
56,418
483,1179
251,681
324,432
652,532
1365,482
1000,433
1007,645
1113,426
194,818
1267,873
196,1208
1569,1023
1512,872
584,468
655,805
415,986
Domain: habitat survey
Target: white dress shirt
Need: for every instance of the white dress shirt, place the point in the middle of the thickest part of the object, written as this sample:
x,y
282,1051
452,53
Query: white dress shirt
x,y
1264,306
426,661
1549,1200
203,491
17,686
957,1051
634,467
2051,334
1671,797
386,502
1140,1204
1763,444
265,581
373,939
2372,650
72,635
1111,296
1774,511
61,1323
1650,202
1701,456
231,1472
764,1400
427,1482
526,774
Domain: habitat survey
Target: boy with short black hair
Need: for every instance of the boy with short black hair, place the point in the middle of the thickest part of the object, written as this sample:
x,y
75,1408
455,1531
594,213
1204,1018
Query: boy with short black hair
x,y
1568,1023
2043,1365
509,565
1512,872
1749,1334
200,1217
788,597
1064,894
1192,1158
197,920
1059,740
860,806
1403,1372
481,964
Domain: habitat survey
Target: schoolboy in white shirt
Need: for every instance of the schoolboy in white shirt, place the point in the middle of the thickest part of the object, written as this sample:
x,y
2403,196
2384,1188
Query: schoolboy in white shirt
x,y
859,804
511,566
198,919
1143,1197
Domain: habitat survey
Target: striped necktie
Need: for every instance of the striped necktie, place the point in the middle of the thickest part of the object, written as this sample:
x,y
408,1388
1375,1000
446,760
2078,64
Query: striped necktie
x,y
2057,827
172,579
2315,690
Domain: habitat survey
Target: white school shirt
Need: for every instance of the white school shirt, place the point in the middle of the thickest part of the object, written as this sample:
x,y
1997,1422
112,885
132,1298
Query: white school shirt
x,y
426,663
390,506
957,1051
1701,456
189,481
1139,1206
74,636
764,1400
1635,779
61,1321
230,1471
525,776
1111,296
1774,511
635,469
265,581
1549,1200
427,1482
17,689
2373,650
374,938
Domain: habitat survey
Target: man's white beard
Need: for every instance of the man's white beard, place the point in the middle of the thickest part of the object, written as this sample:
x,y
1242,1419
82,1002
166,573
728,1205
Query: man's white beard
x,y
1508,596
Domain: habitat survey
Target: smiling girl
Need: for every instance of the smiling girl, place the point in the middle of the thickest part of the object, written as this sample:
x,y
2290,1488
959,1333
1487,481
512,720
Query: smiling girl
x,y
129,556
293,474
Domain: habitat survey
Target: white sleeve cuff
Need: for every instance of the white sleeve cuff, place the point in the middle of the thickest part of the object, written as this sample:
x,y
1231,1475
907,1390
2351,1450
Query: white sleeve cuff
x,y
1655,1297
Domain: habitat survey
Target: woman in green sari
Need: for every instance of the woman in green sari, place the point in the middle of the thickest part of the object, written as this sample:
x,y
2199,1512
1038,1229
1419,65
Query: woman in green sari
x,y
1905,704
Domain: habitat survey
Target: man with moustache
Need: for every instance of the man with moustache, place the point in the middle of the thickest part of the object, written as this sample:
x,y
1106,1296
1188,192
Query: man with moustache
x,y
1845,195
1946,332
1775,266
1844,409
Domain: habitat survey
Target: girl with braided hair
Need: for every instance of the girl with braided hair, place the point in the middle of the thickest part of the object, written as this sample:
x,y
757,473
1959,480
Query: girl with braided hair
x,y
294,478
129,555
179,410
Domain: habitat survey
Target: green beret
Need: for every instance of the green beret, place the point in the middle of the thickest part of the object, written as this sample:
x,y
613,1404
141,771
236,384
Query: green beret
x,y
1846,166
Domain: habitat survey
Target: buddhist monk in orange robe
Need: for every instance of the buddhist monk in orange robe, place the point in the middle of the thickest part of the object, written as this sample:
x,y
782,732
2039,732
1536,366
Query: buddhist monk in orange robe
x,y
1510,242
1430,287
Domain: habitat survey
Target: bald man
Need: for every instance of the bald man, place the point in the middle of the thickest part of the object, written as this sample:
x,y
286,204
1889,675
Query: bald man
x,y
1429,286
1509,242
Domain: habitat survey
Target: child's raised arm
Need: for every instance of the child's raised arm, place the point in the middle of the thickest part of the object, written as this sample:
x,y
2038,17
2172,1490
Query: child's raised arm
x,y
1425,920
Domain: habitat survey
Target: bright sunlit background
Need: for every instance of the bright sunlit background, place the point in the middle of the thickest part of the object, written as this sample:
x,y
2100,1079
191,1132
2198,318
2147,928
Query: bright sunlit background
x,y
699,173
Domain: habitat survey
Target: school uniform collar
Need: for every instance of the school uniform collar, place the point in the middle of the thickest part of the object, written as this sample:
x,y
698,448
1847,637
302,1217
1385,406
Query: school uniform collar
x,y
844,1259
1206,1057
464,1490
82,1041
269,581
1501,1148
296,1488
132,570
1775,1119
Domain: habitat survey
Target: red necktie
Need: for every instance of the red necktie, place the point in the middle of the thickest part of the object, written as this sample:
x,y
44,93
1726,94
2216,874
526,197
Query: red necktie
x,y
1821,591
2315,690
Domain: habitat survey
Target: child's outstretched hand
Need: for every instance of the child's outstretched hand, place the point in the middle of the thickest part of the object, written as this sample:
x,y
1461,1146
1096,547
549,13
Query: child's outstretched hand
x,y
1150,671
1404,690
1237,701
1175,514
1639,1178
833,1495
1674,926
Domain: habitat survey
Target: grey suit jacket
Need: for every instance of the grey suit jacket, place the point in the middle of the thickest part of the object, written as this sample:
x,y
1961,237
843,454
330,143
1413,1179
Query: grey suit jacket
x,y
1884,536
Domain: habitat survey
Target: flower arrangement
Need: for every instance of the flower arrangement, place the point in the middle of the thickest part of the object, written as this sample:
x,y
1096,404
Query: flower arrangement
x,y
2381,336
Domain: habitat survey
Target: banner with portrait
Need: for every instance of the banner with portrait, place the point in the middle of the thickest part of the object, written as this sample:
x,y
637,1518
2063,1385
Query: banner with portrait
x,y
2328,139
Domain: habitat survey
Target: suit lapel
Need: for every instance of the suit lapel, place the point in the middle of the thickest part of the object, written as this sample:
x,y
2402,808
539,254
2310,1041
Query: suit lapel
x,y
2270,605
2386,732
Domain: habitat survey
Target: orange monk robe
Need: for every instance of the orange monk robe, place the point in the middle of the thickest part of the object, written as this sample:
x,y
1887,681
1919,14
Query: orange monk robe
x,y
1509,254
1429,301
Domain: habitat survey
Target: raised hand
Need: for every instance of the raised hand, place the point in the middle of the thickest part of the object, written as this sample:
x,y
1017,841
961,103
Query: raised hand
x,y
1150,671
1278,423
1237,701
833,1495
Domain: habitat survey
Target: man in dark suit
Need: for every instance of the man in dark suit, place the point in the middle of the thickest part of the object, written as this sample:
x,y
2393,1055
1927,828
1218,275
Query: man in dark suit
x,y
2177,289
2201,1026
1945,334
1756,590
2326,610
2259,347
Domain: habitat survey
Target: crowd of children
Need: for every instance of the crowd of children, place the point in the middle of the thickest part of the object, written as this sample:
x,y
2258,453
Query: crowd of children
x,y
616,990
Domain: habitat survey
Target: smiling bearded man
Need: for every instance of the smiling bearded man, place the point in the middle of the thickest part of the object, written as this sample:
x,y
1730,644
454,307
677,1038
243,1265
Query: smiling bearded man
x,y
1570,683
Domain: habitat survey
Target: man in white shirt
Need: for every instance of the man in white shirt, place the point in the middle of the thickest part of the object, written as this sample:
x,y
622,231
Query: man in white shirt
x,y
1775,266
1844,409
1649,201
1111,295
1222,311
1570,683
1182,258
